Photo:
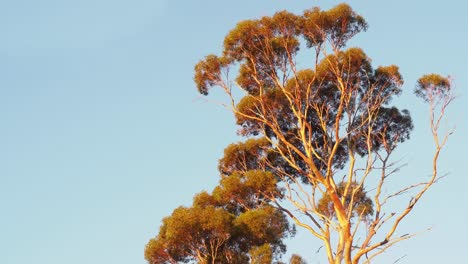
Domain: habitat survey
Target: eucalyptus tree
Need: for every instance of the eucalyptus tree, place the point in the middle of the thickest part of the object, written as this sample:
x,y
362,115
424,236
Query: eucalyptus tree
x,y
319,117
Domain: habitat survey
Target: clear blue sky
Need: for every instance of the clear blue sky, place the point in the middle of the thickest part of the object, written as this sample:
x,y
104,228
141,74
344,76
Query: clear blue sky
x,y
102,133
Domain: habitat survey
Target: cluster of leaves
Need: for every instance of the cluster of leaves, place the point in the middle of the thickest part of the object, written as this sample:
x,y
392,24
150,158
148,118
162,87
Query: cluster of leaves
x,y
234,224
261,46
363,206
433,87
276,91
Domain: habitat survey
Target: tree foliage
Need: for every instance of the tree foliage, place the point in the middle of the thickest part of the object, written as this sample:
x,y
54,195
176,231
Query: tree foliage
x,y
234,224
296,259
320,136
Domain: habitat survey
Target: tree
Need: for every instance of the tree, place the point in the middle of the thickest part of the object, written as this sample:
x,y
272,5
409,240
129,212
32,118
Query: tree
x,y
234,224
326,132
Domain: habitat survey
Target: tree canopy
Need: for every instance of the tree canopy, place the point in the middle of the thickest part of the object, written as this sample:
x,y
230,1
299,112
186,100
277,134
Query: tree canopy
x,y
321,126
234,224
321,120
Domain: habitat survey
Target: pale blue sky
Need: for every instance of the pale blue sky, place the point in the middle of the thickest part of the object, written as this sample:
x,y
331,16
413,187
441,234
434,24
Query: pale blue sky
x,y
102,133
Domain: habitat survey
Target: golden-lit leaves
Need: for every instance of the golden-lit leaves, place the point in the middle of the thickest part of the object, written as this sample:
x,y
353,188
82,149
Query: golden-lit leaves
x,y
345,23
387,83
240,192
194,224
208,73
263,40
388,74
336,25
248,80
261,225
225,225
204,199
389,128
261,255
351,66
432,86
190,232
244,156
362,205
296,259
304,82
259,114
156,252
